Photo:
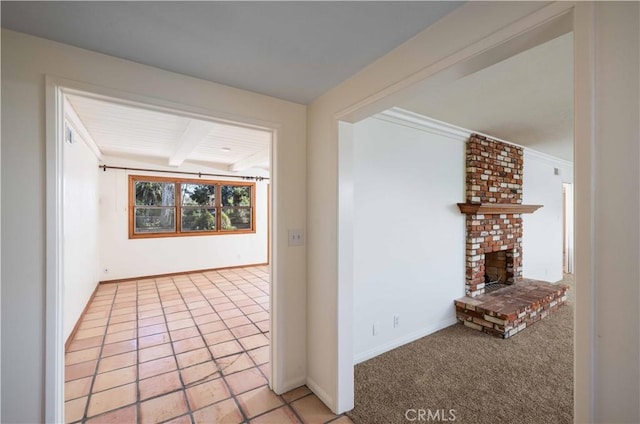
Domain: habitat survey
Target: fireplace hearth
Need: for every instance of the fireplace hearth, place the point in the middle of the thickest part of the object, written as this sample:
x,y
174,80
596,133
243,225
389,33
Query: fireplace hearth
x,y
509,310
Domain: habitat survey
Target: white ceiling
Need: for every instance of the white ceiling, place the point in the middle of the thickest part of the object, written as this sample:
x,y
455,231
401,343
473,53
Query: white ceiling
x,y
526,99
290,50
126,131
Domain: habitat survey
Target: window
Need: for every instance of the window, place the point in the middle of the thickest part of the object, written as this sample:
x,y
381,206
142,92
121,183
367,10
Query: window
x,y
169,207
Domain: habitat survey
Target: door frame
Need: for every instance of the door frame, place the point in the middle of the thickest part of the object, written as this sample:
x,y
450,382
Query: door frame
x,y
568,224
55,90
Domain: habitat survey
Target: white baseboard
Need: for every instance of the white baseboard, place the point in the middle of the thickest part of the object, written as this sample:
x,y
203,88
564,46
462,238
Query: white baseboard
x,y
378,350
321,394
293,384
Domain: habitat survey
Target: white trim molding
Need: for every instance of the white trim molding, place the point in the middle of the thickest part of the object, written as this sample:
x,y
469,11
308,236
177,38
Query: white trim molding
x,y
415,120
547,157
584,116
319,392
404,117
379,350
54,339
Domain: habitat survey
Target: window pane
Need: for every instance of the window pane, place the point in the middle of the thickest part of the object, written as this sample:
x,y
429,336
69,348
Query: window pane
x,y
155,220
235,195
198,194
236,218
198,219
149,193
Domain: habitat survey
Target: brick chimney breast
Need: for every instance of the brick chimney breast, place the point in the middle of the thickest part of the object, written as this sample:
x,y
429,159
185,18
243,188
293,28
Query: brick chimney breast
x,y
494,175
494,171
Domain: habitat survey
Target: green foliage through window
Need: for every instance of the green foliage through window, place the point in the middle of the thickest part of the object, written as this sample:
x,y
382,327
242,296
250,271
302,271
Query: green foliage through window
x,y
203,207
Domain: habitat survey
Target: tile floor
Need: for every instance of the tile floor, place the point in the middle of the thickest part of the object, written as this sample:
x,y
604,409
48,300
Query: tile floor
x,y
192,348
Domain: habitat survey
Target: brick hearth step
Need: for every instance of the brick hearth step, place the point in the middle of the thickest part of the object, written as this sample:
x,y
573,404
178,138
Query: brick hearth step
x,y
509,310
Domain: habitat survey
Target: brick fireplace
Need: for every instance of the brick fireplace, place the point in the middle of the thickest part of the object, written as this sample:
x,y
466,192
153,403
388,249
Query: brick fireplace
x,y
494,212
494,209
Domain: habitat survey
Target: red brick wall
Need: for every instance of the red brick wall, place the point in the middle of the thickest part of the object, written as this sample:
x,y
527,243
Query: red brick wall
x,y
494,175
494,171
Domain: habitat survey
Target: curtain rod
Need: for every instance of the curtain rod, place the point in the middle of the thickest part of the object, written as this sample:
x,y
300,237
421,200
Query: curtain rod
x,y
198,174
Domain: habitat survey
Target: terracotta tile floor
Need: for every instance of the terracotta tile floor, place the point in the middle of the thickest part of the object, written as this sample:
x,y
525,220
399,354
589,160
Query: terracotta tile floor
x,y
192,348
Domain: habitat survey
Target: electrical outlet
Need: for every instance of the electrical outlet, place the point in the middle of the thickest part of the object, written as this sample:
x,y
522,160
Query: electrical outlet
x,y
296,237
396,321
374,330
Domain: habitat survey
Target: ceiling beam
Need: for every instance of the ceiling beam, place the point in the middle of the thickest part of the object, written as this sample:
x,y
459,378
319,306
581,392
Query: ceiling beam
x,y
194,134
250,161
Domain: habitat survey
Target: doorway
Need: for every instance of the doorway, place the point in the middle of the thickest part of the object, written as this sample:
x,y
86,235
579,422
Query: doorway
x,y
244,289
352,116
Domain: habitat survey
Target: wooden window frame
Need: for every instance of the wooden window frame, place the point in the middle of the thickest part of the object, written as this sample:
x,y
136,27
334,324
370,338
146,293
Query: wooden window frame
x,y
178,207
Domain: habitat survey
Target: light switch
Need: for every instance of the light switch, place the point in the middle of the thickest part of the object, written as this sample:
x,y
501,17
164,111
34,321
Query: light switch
x,y
296,237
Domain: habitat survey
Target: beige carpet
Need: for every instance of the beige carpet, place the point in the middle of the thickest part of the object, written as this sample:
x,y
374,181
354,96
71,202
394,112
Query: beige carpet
x,y
525,379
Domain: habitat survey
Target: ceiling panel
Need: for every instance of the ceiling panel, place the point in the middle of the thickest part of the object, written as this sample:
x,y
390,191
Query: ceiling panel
x,y
120,129
243,142
123,130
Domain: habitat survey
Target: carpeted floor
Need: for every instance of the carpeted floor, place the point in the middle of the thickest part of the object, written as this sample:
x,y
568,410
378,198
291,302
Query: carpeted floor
x,y
527,379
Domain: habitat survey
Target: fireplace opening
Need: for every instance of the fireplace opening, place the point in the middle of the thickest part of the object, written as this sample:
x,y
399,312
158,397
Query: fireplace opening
x,y
495,270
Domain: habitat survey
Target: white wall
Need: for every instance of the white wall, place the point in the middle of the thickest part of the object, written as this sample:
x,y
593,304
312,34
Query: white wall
x,y
543,230
398,268
80,228
121,257
409,236
25,62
